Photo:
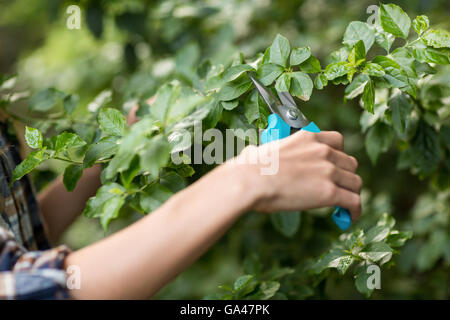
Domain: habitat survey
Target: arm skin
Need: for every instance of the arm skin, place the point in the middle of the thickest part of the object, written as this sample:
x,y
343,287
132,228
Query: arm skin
x,y
137,261
59,207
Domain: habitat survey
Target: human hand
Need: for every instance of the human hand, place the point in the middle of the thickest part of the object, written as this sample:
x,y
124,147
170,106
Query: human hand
x,y
313,172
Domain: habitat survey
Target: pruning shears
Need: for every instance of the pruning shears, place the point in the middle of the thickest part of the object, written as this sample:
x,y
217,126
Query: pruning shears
x,y
285,119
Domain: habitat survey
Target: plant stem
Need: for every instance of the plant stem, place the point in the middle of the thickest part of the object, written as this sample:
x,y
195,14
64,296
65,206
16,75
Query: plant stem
x,y
68,160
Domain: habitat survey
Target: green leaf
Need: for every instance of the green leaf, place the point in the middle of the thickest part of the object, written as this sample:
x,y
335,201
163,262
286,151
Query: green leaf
x,y
287,223
311,65
165,98
64,142
112,122
280,50
106,204
127,176
214,114
94,207
103,149
377,234
34,159
234,72
188,108
368,96
356,31
338,69
349,76
383,39
234,89
378,140
244,290
153,197
357,86
255,109
172,181
283,82
72,174
268,289
340,55
430,55
70,102
367,119
373,70
386,220
333,259
299,55
266,56
302,85
33,137
186,60
344,80
398,239
86,132
155,154
184,170
357,54
394,20
345,262
269,72
230,105
376,251
45,100
437,38
133,142
401,108
195,117
361,277
320,81
394,74
406,61
421,24
242,281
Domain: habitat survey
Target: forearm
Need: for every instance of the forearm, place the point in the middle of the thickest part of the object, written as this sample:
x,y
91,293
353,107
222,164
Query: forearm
x,y
59,208
137,261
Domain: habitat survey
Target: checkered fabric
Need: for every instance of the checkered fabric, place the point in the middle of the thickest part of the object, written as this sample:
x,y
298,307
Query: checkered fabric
x,y
29,268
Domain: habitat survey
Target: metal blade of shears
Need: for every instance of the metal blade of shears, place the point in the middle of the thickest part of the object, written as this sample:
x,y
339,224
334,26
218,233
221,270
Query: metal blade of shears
x,y
287,109
267,95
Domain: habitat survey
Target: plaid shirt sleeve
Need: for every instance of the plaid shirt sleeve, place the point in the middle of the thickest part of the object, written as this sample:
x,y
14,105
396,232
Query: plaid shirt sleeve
x,y
31,274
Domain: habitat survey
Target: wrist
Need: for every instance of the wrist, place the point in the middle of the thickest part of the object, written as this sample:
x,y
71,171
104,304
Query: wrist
x,y
243,182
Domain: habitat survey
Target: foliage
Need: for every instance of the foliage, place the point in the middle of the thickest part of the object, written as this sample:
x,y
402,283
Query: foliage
x,y
358,248
403,96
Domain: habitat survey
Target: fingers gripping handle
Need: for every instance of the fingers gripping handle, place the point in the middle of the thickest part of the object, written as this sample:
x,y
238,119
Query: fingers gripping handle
x,y
278,129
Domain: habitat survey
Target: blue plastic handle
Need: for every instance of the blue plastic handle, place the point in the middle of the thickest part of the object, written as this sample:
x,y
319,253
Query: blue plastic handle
x,y
278,129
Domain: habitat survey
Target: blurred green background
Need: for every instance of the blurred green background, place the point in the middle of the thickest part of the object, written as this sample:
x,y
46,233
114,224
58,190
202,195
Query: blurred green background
x,y
130,47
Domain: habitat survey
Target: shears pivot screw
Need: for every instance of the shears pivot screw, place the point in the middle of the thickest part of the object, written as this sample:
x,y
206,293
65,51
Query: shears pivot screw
x,y
293,115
